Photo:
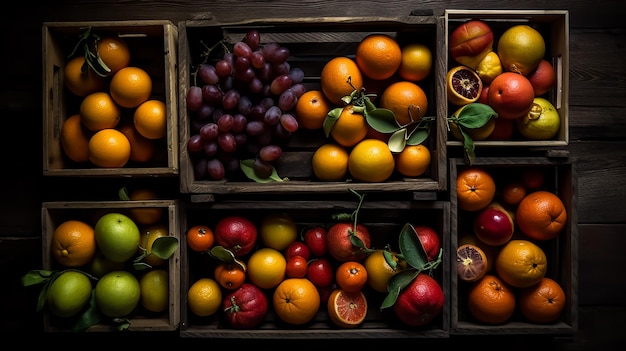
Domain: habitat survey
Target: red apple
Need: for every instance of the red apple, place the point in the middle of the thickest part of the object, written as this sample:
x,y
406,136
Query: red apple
x,y
470,42
297,248
315,239
494,225
320,272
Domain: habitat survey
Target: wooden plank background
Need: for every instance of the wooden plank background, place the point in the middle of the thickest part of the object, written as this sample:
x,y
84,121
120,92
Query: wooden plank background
x,y
597,142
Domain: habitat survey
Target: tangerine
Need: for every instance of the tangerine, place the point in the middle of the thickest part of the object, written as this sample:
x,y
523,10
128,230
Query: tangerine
x,y
150,119
513,192
491,300
416,63
98,111
475,188
296,301
521,263
109,148
511,95
413,160
406,100
114,52
351,276
200,238
73,243
350,128
541,215
340,77
80,79
371,161
130,87
229,275
533,178
347,309
330,162
543,302
74,139
311,109
378,56
142,149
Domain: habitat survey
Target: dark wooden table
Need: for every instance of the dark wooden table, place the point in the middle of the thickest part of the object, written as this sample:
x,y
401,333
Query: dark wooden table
x,y
597,144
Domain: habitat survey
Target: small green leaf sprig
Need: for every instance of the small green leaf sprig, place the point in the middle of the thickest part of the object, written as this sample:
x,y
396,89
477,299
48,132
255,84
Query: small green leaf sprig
x,y
88,43
473,115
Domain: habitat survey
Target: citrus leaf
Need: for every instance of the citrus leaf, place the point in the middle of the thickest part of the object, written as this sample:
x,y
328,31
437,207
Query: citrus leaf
x,y
356,241
418,136
389,259
221,253
391,298
123,194
468,147
398,282
369,105
397,141
382,120
411,247
331,119
35,277
164,247
90,317
140,266
476,115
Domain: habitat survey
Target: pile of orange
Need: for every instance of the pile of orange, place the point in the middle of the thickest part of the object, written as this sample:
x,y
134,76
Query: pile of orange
x,y
380,63
117,121
512,276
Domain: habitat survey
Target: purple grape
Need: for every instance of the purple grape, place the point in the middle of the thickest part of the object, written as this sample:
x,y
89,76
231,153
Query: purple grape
x,y
269,49
231,99
279,69
204,113
257,60
255,86
264,138
272,115
194,143
241,138
257,113
212,95
210,148
270,153
265,73
289,122
209,131
255,128
200,169
262,169
208,74
227,142
253,39
245,76
242,49
215,169
223,68
280,133
244,106
225,123
241,64
267,102
281,54
228,83
298,89
230,162
280,84
194,98
239,123
287,100
297,75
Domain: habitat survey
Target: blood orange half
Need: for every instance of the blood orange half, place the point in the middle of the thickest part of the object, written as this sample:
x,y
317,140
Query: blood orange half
x,y
471,262
463,85
347,309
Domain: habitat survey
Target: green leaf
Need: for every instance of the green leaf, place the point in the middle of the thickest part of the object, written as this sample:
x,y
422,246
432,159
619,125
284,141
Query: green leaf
x,y
398,282
356,241
247,166
369,105
331,119
382,120
468,147
389,258
391,297
164,247
35,277
411,247
91,316
138,265
418,136
397,141
221,253
123,194
475,115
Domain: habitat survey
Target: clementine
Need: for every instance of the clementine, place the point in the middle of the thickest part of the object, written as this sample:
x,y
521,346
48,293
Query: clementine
x,y
490,300
150,119
542,78
541,215
378,56
200,238
513,192
114,52
371,161
98,111
311,109
543,302
521,263
109,148
406,100
351,276
413,160
229,275
296,301
340,77
74,139
80,79
73,243
330,162
511,95
350,127
416,63
475,188
145,215
142,149
130,86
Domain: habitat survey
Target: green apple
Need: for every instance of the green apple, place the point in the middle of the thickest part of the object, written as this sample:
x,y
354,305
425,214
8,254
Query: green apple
x,y
68,294
117,236
541,123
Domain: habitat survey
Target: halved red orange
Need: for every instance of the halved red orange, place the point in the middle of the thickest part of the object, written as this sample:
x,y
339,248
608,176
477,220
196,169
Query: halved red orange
x,y
463,85
347,309
471,262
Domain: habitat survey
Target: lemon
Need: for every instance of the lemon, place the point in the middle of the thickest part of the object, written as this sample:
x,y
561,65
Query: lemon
x,y
489,67
278,230
379,272
541,123
154,287
204,297
520,49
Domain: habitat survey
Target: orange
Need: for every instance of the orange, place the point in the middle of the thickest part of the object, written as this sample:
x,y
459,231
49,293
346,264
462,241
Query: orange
x,y
416,63
542,78
145,215
229,275
471,262
330,162
349,128
266,268
475,188
379,272
463,85
130,87
406,100
109,148
73,243
378,56
543,302
114,53
340,77
142,149
490,300
521,48
80,79
541,215
296,301
98,111
521,263
204,297
200,238
513,192
74,139
146,240
351,276
311,109
347,309
511,95
413,160
150,119
371,161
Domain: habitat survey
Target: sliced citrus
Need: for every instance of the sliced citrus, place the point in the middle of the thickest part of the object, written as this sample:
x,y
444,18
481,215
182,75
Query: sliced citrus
x,y
471,262
347,309
463,85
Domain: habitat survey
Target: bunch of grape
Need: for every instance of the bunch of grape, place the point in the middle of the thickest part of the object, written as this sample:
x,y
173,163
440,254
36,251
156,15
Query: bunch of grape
x,y
241,107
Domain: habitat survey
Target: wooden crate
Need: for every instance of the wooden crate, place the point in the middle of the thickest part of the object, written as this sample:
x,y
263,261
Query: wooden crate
x,y
153,48
312,42
55,213
554,27
384,220
561,252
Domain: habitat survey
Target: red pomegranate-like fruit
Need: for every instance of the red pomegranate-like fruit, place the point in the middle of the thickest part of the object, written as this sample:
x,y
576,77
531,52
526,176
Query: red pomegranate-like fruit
x,y
494,225
470,42
339,244
420,302
430,241
315,239
245,307
236,233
